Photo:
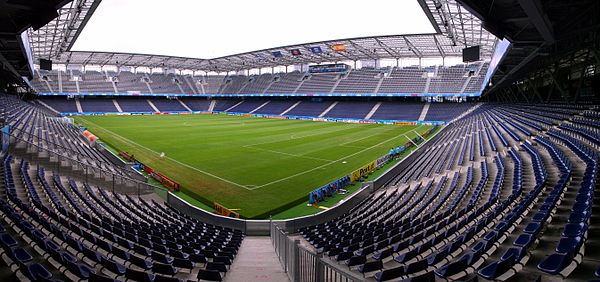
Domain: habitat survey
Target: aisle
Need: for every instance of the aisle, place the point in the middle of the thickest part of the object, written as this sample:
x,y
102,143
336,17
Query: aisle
x,y
256,261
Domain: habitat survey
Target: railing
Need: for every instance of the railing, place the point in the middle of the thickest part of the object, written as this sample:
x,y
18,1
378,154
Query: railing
x,y
262,227
24,135
115,181
304,265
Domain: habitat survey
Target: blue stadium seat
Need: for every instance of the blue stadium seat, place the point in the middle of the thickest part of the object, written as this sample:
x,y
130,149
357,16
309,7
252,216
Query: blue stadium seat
x,y
555,263
8,241
20,255
35,271
579,217
370,266
532,228
114,267
389,274
355,260
219,266
404,257
161,258
425,277
452,268
161,278
439,255
524,240
92,255
80,270
497,268
94,277
198,258
183,263
137,275
575,229
210,275
516,253
416,266
569,244
164,269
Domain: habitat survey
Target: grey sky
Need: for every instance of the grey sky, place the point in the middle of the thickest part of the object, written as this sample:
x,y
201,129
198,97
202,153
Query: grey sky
x,y
209,29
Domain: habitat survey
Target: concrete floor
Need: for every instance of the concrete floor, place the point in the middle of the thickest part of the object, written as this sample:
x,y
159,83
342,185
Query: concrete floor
x,y
256,261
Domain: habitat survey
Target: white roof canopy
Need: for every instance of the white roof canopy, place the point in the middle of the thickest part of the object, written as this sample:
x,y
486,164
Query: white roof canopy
x,y
457,29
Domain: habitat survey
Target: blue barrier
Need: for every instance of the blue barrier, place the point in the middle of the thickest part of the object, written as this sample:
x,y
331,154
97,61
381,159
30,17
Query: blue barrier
x,y
328,119
473,94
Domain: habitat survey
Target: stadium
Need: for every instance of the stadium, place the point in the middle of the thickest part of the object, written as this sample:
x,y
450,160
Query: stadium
x,y
441,140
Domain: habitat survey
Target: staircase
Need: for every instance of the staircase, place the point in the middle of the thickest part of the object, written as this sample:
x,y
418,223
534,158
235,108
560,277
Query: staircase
x,y
424,111
152,105
78,104
117,105
328,109
259,107
373,111
228,109
184,105
290,108
211,106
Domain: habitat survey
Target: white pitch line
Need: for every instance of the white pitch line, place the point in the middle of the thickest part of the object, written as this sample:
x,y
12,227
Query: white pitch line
x,y
294,135
324,165
284,153
303,156
355,140
267,184
174,160
352,146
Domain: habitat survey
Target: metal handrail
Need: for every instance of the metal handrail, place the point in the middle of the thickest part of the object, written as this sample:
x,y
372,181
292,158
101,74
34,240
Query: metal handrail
x,y
304,265
117,179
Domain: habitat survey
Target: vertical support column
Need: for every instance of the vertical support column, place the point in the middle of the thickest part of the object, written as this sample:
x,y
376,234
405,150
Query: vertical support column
x,y
296,260
319,268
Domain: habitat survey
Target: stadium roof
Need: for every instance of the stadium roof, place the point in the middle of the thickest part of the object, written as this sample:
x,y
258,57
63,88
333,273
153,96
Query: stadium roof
x,y
457,28
15,18
540,33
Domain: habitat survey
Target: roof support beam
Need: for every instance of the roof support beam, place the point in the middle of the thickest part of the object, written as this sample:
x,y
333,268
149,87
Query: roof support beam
x,y
4,62
412,48
523,63
387,49
439,47
363,50
533,9
556,83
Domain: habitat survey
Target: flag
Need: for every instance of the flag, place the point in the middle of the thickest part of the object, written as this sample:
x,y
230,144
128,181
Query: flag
x,y
338,47
316,49
295,52
260,57
277,53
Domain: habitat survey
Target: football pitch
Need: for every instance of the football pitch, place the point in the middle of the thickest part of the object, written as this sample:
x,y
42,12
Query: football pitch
x,y
257,165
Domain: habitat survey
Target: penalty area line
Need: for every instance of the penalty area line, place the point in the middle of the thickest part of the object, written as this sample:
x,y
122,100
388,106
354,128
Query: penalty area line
x,y
173,160
332,162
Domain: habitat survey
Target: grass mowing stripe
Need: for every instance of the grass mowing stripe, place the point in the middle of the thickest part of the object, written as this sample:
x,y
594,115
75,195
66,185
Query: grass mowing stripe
x,y
215,144
174,160
332,162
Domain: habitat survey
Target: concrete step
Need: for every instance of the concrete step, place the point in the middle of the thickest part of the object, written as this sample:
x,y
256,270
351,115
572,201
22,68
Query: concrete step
x,y
256,261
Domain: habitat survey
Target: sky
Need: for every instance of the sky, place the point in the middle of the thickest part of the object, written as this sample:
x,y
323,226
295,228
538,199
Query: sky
x,y
210,29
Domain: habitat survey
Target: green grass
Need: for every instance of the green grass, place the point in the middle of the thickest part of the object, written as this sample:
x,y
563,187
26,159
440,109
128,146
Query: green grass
x,y
302,209
260,166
